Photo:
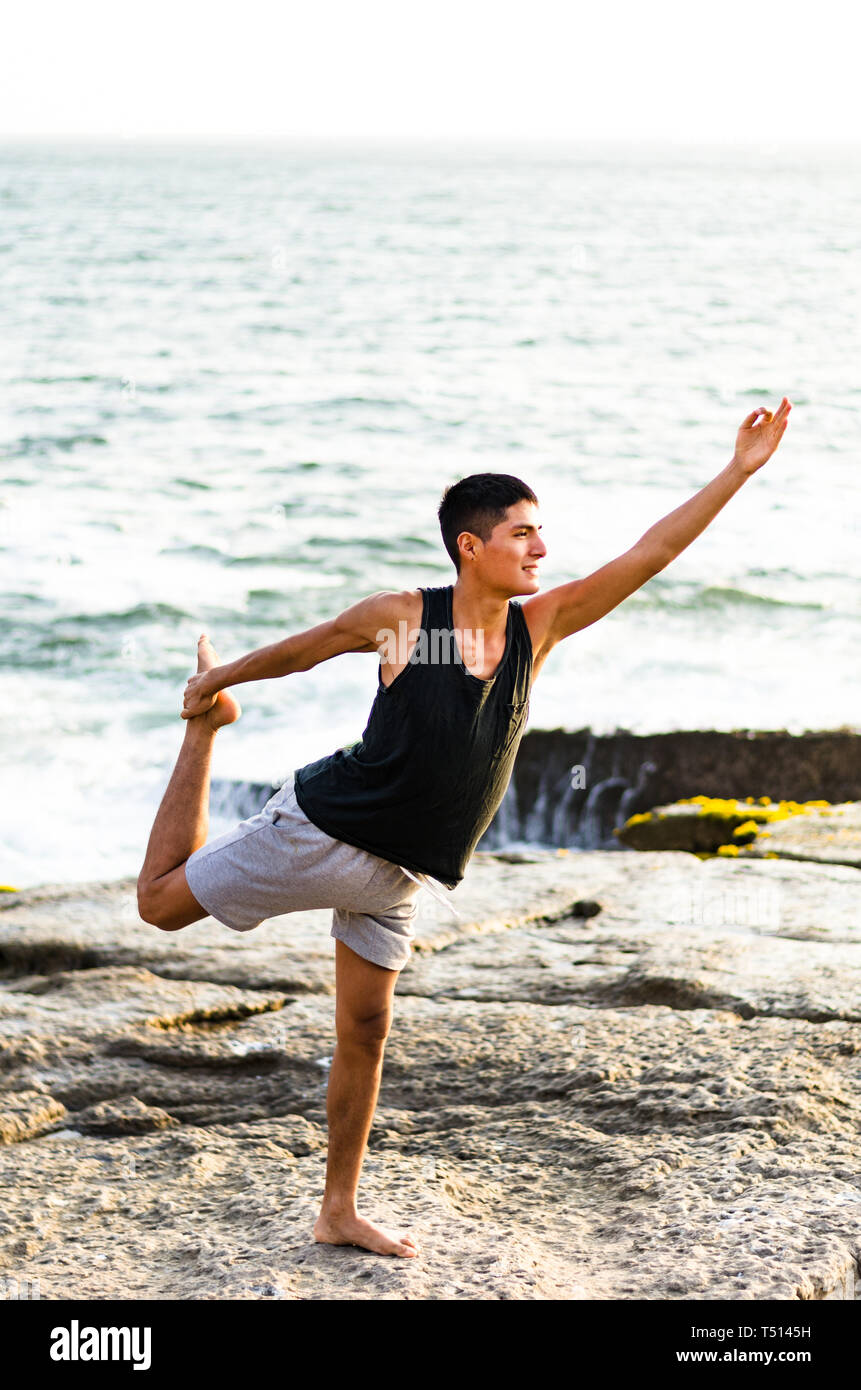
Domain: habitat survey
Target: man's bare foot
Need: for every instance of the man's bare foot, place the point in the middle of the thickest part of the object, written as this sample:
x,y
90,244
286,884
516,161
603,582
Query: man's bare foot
x,y
354,1230
226,709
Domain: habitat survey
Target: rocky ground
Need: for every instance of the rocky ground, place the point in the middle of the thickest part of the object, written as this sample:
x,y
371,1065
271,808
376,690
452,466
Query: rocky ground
x,y
619,1076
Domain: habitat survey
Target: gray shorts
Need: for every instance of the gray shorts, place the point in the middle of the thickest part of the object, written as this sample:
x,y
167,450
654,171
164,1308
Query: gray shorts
x,y
278,861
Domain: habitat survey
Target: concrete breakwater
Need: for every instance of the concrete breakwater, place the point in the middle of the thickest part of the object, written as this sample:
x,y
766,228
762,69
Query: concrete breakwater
x,y
624,774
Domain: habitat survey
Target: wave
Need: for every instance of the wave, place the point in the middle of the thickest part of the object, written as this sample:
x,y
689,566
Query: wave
x,y
26,644
56,631
717,596
36,446
59,380
203,552
141,613
334,402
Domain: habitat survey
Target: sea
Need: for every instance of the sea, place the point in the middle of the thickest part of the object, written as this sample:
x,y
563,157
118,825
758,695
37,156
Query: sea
x,y
236,378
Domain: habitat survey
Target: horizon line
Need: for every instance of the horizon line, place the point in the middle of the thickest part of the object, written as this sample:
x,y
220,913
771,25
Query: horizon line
x,y
472,138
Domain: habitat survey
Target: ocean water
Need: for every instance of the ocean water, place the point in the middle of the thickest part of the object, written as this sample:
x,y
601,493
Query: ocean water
x,y
236,380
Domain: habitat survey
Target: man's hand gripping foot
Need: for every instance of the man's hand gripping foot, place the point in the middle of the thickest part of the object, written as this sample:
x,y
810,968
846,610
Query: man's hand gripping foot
x,y
202,699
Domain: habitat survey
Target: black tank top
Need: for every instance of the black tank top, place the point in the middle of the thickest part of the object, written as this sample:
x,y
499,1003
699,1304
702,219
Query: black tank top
x,y
426,778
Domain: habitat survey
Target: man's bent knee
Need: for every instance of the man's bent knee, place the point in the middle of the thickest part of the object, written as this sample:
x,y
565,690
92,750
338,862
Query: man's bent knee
x,y
168,903
151,910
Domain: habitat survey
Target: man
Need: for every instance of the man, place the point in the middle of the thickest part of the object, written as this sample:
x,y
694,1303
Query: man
x,y
360,830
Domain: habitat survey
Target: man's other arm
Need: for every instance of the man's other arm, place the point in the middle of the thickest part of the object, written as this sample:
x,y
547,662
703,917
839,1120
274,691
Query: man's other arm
x,y
356,629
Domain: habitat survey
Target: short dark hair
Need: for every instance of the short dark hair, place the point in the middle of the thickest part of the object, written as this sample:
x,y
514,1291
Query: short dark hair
x,y
477,504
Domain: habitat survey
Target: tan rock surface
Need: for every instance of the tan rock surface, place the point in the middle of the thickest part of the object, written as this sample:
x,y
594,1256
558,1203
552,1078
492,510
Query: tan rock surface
x,y
832,835
661,1100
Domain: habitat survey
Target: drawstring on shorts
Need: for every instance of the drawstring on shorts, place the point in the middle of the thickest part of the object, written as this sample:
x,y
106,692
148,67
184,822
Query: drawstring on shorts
x,y
425,882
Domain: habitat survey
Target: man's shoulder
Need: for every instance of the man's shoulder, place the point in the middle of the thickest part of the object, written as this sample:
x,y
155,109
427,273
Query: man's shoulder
x,y
399,605
383,612
365,623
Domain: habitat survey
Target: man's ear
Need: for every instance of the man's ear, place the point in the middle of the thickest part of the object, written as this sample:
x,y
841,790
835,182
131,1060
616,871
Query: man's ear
x,y
469,546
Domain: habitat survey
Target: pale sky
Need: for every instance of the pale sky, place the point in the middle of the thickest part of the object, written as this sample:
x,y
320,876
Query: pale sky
x,y
680,70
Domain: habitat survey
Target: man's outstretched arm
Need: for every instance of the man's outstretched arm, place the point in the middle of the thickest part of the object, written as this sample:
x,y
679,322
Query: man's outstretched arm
x,y
569,607
357,629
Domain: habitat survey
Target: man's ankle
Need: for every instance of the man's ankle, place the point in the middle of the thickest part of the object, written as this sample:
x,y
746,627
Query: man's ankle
x,y
338,1205
200,729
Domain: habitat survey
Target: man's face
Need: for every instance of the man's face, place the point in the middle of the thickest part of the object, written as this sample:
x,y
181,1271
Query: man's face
x,y
510,557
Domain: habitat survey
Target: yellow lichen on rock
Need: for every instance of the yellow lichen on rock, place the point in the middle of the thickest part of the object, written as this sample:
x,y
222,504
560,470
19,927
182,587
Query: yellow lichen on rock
x,y
701,824
767,809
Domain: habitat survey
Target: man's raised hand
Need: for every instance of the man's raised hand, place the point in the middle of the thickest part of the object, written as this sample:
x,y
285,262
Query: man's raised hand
x,y
760,434
201,691
197,698
205,694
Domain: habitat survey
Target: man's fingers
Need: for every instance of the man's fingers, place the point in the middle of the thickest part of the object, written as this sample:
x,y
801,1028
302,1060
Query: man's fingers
x,y
191,712
193,703
763,416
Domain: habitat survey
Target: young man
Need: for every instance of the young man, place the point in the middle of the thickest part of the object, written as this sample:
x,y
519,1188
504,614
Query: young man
x,y
359,831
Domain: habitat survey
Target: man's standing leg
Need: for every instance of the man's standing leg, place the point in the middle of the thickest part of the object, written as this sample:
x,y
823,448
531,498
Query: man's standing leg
x,y
182,822
363,1015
